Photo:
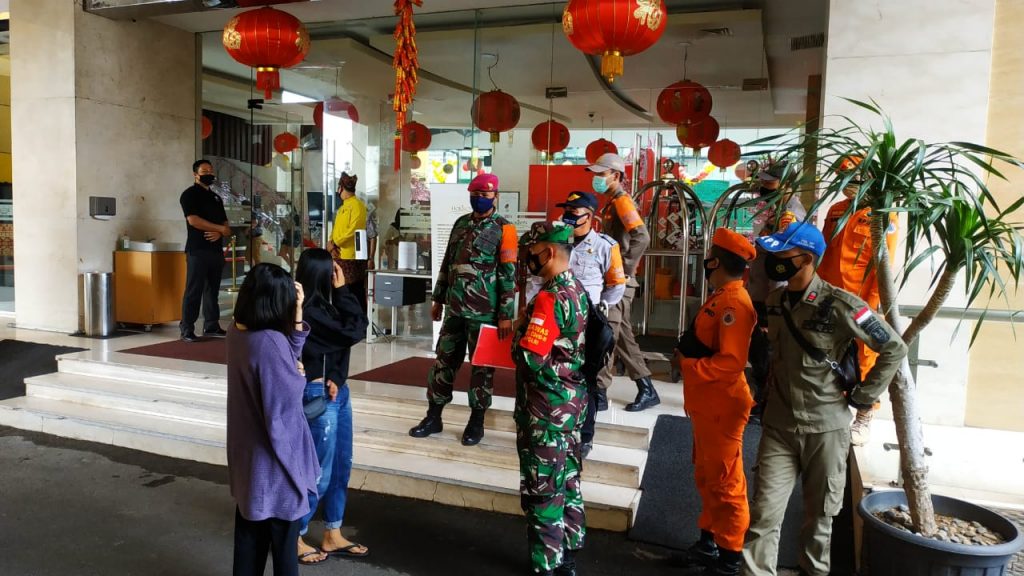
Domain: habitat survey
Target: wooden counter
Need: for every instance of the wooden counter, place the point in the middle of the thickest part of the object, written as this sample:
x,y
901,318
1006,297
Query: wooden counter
x,y
148,286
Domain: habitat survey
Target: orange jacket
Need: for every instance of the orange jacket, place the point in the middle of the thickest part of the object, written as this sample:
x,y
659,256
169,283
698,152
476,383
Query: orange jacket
x,y
846,259
716,384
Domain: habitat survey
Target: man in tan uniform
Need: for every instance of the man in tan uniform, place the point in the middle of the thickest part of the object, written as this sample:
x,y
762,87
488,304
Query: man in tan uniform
x,y
806,423
623,223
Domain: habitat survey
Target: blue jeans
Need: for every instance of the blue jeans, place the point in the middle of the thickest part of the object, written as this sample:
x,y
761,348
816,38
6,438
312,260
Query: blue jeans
x,y
332,436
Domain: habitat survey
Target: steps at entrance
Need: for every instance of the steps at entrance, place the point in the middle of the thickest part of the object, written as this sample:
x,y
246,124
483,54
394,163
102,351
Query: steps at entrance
x,y
179,410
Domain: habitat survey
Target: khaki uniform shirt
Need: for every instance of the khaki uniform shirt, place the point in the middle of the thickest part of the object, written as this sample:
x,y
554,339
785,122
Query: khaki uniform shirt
x,y
804,396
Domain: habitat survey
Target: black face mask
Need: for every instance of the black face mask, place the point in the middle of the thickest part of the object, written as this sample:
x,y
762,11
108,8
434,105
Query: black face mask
x,y
534,265
781,269
707,269
764,191
207,179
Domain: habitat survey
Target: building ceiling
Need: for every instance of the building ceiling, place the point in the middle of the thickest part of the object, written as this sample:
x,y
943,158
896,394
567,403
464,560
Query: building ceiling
x,y
724,48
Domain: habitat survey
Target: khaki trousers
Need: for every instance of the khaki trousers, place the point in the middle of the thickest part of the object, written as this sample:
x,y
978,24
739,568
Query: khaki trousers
x,y
819,461
626,348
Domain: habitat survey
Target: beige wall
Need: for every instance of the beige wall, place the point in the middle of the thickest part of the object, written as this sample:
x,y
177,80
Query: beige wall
x,y
995,391
928,64
113,105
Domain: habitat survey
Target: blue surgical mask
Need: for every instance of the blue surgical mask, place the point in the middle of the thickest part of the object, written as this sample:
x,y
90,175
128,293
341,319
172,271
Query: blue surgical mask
x,y
480,204
600,184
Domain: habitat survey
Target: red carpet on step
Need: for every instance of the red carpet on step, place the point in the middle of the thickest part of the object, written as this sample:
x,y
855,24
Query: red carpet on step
x,y
408,372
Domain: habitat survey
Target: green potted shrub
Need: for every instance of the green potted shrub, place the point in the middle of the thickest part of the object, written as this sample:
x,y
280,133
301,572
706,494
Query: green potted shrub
x,y
955,225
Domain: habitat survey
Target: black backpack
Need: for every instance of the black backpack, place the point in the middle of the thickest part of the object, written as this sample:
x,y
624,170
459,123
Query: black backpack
x,y
600,341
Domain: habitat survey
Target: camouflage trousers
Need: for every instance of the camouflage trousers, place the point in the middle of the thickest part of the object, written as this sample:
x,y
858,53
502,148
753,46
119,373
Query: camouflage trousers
x,y
550,465
456,334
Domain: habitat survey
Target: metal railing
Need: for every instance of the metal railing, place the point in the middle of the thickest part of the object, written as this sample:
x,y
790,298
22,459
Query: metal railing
x,y
949,313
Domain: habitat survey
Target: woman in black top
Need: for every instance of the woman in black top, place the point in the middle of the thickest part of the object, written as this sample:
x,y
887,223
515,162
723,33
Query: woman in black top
x,y
336,324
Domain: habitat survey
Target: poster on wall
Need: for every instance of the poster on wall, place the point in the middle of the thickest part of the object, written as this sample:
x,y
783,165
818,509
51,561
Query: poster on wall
x,y
447,203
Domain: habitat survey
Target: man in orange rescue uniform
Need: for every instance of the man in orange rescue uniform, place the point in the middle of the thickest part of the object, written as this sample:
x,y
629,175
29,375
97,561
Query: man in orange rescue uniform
x,y
712,355
847,265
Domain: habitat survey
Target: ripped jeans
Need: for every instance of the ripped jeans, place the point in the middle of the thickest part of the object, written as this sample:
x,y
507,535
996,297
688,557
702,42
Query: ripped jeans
x,y
332,436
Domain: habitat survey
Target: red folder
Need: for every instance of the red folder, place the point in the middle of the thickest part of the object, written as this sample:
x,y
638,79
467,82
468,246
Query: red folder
x,y
490,351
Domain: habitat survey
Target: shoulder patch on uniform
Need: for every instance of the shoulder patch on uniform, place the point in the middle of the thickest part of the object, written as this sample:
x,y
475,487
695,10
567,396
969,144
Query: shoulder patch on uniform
x,y
542,330
811,297
729,317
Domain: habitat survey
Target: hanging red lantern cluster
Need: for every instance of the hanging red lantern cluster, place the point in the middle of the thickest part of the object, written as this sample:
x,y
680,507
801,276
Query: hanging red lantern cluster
x,y
724,153
683,102
613,29
285,142
495,112
598,147
698,135
415,137
550,137
266,39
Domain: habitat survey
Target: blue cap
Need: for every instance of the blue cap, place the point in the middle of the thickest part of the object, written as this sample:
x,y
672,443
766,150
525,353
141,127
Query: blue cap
x,y
803,235
579,199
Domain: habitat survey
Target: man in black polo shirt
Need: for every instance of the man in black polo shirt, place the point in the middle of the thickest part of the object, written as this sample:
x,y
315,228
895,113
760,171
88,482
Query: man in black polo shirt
x,y
207,225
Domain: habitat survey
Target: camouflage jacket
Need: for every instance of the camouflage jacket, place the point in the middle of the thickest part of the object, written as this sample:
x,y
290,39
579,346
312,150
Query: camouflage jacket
x,y
477,277
548,350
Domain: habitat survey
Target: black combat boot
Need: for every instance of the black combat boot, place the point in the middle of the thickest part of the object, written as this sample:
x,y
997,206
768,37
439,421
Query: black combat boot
x,y
646,396
601,399
568,567
432,424
475,428
729,563
704,552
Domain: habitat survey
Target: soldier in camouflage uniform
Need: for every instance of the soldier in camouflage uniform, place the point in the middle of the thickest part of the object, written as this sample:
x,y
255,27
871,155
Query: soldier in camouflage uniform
x,y
476,283
551,402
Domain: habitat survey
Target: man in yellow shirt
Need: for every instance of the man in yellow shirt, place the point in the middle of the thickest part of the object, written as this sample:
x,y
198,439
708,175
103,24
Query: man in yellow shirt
x,y
351,216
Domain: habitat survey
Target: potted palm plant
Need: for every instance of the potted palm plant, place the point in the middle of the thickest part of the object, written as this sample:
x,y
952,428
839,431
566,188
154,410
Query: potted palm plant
x,y
954,225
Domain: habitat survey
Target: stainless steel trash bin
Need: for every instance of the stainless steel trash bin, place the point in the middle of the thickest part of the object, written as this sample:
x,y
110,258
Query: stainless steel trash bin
x,y
98,303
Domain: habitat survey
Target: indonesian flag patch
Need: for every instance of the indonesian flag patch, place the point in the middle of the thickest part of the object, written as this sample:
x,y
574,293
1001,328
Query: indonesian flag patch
x,y
542,330
862,316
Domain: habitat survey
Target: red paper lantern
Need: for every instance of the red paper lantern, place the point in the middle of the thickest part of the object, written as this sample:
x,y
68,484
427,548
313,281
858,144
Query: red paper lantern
x,y
613,29
267,40
684,102
598,147
285,142
724,153
698,135
415,137
207,128
335,107
550,137
495,112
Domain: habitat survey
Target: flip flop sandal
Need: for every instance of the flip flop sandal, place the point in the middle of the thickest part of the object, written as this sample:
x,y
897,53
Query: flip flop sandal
x,y
347,551
304,558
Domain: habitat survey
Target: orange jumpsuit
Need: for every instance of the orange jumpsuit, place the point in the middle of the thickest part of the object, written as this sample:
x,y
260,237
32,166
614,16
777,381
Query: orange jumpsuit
x,y
718,401
846,259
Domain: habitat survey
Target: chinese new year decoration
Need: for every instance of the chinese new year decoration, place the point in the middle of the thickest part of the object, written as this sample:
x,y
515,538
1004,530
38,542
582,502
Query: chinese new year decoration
x,y
415,137
267,40
336,107
495,112
613,29
724,153
684,102
698,135
598,147
550,137
406,60
207,128
285,142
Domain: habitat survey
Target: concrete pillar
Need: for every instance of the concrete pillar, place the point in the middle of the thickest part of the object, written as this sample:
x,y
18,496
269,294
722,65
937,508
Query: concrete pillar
x,y
99,108
928,64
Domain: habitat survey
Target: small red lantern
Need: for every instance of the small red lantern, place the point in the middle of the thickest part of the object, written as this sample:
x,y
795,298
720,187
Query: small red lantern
x,y
267,40
613,29
684,102
550,137
207,128
415,137
598,147
495,112
724,153
335,107
698,135
285,142
318,115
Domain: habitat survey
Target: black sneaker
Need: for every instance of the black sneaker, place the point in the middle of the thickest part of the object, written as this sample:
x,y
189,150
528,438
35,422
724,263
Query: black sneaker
x,y
218,333
190,337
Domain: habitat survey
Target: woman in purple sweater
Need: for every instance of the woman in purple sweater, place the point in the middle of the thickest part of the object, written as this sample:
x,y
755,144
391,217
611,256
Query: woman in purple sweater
x,y
272,463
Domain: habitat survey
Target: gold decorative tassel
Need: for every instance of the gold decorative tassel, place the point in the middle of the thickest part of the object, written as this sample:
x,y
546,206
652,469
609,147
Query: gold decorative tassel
x,y
612,64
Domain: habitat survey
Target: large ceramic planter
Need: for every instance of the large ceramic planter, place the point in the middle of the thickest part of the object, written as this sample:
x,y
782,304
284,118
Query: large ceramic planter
x,y
888,550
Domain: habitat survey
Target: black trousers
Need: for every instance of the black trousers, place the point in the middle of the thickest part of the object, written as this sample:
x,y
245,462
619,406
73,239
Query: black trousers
x,y
760,355
202,286
590,422
254,539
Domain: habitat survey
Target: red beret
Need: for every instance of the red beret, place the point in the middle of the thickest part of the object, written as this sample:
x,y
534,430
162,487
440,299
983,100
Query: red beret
x,y
484,183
